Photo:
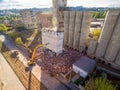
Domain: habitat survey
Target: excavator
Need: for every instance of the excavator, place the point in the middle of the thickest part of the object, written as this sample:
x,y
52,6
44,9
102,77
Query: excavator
x,y
32,60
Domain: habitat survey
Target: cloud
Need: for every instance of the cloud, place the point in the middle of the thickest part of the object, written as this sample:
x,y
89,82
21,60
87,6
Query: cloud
x,y
92,3
9,4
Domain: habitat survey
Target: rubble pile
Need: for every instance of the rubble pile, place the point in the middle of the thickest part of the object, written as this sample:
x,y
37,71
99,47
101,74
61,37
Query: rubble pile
x,y
58,64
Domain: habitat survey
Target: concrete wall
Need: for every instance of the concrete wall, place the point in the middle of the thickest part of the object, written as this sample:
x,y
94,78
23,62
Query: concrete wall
x,y
79,25
85,30
108,47
54,40
117,61
56,13
106,33
114,44
92,47
71,28
66,27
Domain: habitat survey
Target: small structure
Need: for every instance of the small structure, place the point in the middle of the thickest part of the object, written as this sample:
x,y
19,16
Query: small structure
x,y
84,66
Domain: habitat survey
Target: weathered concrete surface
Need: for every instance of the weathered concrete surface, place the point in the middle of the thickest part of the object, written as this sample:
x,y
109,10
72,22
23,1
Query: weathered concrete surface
x,y
114,44
117,61
56,12
53,39
8,78
71,28
92,47
87,16
106,33
78,25
66,27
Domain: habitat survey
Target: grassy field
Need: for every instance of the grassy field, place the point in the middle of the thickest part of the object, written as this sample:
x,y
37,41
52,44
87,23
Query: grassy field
x,y
29,81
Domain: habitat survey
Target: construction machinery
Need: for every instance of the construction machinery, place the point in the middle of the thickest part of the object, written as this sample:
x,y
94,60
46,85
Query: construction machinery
x,y
32,60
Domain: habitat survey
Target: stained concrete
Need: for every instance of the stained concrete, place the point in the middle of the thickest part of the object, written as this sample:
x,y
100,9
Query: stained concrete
x,y
71,28
106,33
114,44
92,47
53,39
87,16
117,61
78,25
66,27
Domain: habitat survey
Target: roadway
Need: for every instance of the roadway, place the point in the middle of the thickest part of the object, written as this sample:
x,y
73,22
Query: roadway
x,y
8,79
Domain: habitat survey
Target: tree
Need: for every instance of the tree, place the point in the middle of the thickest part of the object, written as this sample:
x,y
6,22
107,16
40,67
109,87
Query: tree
x,y
100,83
19,41
3,28
104,14
97,15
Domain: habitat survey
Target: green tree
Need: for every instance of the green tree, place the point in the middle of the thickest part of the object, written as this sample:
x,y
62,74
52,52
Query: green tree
x,y
104,14
19,41
3,28
97,15
100,83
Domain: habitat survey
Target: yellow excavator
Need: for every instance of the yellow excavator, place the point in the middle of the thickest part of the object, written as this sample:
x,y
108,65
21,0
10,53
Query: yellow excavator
x,y
32,60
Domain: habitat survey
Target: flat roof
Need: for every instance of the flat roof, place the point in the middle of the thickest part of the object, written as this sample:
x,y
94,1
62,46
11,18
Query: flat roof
x,y
85,64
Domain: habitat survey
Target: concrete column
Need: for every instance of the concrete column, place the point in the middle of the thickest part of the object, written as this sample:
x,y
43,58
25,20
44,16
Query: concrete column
x,y
117,61
71,28
66,27
114,44
85,30
92,47
106,33
78,24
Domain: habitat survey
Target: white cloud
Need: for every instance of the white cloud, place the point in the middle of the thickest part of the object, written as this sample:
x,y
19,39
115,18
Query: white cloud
x,y
7,4
93,3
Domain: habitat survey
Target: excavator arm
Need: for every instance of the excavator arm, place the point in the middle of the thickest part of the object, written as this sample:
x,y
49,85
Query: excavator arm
x,y
32,60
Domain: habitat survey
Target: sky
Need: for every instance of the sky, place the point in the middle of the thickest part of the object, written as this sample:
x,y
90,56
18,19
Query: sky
x,y
9,4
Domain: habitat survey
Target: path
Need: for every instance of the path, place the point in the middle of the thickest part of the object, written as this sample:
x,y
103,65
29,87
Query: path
x,y
8,79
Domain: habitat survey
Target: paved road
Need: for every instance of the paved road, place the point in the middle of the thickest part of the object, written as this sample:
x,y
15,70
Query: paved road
x,y
51,83
8,79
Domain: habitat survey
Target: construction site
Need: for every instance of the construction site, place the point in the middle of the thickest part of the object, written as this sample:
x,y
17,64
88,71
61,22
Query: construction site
x,y
59,49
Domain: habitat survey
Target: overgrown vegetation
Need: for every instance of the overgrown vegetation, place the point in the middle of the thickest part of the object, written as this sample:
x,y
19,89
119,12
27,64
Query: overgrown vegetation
x,y
3,28
17,38
96,32
19,41
100,14
100,83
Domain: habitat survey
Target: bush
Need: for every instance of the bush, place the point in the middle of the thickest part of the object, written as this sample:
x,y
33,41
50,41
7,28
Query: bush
x,y
100,83
19,41
3,28
14,35
96,32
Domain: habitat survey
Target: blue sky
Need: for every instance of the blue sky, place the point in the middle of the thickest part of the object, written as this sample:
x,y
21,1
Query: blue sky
x,y
8,4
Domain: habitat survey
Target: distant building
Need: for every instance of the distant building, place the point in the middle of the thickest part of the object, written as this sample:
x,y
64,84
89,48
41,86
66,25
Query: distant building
x,y
28,19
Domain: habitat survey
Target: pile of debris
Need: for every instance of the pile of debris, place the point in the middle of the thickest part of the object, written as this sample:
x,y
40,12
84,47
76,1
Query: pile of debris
x,y
58,64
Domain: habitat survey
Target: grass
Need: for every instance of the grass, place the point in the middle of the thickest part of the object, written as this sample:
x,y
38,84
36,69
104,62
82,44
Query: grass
x,y
29,81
